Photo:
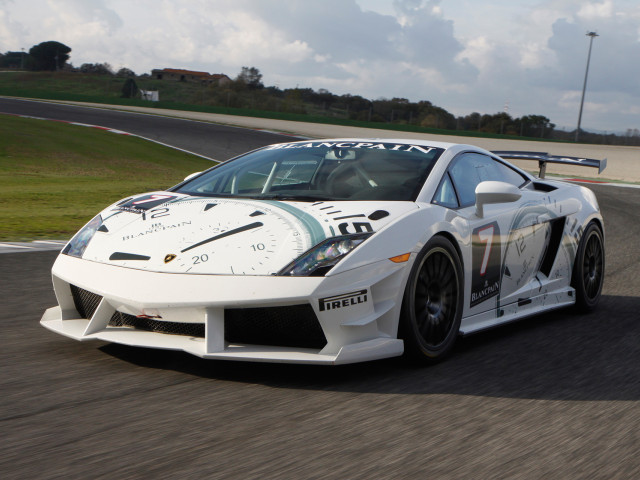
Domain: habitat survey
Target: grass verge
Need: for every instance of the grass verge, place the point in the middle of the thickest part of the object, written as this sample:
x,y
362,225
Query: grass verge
x,y
55,177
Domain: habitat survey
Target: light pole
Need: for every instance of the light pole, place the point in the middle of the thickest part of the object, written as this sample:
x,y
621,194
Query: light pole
x,y
584,86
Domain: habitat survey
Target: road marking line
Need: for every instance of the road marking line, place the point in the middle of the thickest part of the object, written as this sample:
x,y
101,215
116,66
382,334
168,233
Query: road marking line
x,y
120,132
11,245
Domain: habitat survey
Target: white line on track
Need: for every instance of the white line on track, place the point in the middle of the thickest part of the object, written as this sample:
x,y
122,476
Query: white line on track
x,y
35,246
14,245
175,148
119,132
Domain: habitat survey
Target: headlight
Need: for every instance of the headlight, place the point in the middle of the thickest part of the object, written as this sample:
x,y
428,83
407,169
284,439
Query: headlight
x,y
321,258
80,240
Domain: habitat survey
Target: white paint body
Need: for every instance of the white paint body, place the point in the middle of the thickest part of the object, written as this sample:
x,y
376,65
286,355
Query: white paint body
x,y
199,283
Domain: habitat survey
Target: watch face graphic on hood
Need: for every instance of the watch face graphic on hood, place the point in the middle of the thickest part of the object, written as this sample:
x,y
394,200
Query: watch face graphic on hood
x,y
176,233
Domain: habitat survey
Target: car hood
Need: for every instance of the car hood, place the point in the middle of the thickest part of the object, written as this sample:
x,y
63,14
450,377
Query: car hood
x,y
174,233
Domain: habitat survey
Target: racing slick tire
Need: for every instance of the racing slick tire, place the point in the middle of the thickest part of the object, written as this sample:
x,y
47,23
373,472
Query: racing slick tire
x,y
432,304
588,270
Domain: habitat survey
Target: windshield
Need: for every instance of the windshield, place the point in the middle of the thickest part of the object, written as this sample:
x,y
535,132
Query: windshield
x,y
313,171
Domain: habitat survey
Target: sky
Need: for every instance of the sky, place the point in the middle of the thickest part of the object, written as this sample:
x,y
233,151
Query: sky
x,y
488,56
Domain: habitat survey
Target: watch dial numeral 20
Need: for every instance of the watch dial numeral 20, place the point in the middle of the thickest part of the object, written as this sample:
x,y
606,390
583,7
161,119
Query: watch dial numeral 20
x,y
200,258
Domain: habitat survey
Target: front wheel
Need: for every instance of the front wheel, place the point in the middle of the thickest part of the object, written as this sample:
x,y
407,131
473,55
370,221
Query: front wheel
x,y
588,269
432,304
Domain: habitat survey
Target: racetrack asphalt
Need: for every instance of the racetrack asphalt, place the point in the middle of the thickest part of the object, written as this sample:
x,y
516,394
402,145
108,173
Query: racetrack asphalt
x,y
553,396
623,162
219,143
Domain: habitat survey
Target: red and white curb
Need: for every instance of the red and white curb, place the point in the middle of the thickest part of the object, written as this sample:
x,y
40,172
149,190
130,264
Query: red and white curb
x,y
107,129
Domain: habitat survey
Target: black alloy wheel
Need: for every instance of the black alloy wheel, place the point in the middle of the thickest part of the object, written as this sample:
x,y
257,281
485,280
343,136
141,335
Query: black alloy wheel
x,y
432,304
588,269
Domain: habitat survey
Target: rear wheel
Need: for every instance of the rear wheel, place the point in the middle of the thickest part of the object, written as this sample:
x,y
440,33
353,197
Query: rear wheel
x,y
588,269
432,304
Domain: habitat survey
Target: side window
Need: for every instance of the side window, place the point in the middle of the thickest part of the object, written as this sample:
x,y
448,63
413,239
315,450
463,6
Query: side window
x,y
469,169
446,195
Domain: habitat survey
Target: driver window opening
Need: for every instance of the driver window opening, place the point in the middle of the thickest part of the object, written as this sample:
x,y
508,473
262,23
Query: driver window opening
x,y
470,169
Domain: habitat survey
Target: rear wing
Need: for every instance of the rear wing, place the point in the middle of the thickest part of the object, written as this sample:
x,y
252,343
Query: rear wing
x,y
543,158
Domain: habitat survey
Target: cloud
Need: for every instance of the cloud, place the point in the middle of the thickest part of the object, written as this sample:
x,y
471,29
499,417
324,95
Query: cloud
x,y
596,11
74,13
427,40
537,63
335,41
463,55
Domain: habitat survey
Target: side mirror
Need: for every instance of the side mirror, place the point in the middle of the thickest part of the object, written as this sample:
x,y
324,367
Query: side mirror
x,y
495,192
189,177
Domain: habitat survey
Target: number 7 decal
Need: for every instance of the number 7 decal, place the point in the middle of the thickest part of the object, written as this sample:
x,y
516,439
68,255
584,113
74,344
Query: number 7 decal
x,y
485,262
485,235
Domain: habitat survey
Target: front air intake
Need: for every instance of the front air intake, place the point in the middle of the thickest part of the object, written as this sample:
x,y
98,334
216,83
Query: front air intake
x,y
86,302
120,319
293,326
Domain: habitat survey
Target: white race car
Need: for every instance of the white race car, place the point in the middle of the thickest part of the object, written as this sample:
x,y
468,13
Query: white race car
x,y
332,252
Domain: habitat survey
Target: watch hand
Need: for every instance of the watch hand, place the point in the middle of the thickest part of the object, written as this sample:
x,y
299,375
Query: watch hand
x,y
225,234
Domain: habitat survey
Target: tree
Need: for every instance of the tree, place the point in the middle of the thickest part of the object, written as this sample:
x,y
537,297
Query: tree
x,y
251,77
97,68
14,60
49,55
130,88
536,126
126,72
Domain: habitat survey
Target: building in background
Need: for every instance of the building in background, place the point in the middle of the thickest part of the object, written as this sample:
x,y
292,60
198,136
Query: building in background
x,y
179,75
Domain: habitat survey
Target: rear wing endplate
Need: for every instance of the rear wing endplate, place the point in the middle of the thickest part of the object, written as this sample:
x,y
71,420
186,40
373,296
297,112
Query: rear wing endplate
x,y
543,158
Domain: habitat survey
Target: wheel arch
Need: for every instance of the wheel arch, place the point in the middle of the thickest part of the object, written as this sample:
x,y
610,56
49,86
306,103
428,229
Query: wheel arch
x,y
415,348
598,222
449,236
587,301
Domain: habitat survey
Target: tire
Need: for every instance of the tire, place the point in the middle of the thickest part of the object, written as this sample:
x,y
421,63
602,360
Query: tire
x,y
588,270
432,304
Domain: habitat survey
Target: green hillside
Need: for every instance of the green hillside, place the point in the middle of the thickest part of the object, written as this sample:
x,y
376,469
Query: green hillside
x,y
55,176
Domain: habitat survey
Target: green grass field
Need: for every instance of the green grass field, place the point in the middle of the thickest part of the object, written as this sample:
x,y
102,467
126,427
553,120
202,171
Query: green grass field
x,y
55,177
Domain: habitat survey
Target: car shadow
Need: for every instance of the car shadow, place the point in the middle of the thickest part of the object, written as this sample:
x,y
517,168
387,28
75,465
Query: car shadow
x,y
560,355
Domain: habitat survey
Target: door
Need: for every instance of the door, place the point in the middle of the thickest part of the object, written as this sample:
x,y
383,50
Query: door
x,y
507,243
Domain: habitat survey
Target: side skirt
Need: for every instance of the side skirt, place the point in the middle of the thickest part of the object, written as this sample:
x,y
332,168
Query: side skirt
x,y
518,311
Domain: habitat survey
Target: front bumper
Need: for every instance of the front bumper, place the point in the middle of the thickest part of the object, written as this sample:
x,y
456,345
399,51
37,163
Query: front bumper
x,y
357,310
